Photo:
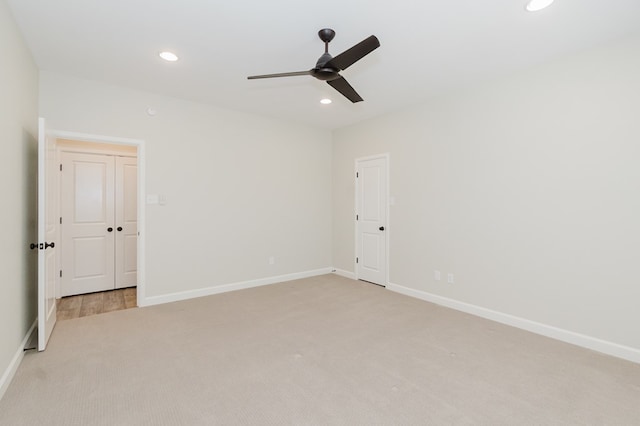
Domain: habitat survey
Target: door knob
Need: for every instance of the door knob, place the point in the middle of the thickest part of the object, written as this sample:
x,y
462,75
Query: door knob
x,y
119,228
33,245
109,229
47,245
381,228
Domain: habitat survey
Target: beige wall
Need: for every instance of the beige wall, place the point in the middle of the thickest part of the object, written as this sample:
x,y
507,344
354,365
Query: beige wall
x,y
527,189
18,132
238,188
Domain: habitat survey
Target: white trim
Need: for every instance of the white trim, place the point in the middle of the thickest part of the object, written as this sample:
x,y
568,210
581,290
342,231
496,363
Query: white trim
x,y
141,285
343,273
12,368
603,346
64,145
87,137
141,155
208,291
387,157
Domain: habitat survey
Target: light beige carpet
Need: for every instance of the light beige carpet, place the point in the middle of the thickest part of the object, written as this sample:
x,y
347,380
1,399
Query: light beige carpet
x,y
318,351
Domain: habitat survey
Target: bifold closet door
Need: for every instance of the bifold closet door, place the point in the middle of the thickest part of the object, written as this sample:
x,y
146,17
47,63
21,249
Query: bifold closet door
x,y
126,249
88,213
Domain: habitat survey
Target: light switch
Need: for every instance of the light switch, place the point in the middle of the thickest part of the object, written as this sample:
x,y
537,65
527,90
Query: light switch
x,y
153,199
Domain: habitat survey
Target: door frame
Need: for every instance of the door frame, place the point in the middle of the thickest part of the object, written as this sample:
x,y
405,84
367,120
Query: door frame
x,y
141,157
386,157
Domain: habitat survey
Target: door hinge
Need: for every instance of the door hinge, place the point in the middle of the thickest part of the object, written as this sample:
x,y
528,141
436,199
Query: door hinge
x,y
60,273
356,260
60,220
357,174
60,166
357,217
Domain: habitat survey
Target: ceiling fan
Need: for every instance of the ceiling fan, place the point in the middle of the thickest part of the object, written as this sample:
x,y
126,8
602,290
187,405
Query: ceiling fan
x,y
328,68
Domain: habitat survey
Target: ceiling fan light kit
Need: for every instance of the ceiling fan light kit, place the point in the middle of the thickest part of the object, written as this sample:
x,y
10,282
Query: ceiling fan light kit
x,y
328,67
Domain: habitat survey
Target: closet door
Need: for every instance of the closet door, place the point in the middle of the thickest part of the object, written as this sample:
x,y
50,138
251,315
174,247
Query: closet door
x,y
126,222
88,225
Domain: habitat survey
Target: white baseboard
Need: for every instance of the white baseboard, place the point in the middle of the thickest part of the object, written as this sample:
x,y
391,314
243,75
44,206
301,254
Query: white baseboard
x,y
609,348
7,376
344,273
208,291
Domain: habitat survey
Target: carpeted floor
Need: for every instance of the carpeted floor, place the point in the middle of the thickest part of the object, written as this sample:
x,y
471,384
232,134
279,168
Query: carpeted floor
x,y
318,351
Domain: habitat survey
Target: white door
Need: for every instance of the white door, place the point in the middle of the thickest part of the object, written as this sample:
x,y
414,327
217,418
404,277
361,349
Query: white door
x,y
126,199
88,223
371,220
47,262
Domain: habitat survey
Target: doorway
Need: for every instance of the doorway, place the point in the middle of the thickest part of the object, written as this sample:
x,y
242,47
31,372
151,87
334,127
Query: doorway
x,y
372,213
88,144
98,217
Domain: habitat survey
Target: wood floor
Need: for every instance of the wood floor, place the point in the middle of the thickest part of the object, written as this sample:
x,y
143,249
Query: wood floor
x,y
84,305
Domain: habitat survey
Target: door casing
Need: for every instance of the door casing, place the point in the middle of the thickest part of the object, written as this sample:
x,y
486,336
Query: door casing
x,y
139,144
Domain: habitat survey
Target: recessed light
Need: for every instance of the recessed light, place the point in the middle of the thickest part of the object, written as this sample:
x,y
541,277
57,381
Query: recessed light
x,y
168,56
535,5
325,101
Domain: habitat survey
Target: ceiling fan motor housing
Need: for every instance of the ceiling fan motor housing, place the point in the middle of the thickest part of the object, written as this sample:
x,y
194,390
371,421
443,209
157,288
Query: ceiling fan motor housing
x,y
322,72
326,74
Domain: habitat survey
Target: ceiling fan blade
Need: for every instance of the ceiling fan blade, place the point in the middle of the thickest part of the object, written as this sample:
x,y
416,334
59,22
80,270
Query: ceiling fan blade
x,y
341,85
282,74
357,52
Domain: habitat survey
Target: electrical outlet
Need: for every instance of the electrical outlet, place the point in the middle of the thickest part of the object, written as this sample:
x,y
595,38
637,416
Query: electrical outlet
x,y
272,260
436,275
450,278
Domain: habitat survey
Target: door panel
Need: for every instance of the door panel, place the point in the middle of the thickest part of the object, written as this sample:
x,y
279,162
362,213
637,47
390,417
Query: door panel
x,y
89,253
371,184
87,215
371,251
130,258
126,196
371,226
90,186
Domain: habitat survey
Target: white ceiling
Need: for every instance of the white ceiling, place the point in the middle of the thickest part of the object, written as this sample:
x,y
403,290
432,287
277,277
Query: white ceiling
x,y
427,47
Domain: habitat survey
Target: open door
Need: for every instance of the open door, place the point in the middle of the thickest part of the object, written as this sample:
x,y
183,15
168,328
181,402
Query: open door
x,y
47,229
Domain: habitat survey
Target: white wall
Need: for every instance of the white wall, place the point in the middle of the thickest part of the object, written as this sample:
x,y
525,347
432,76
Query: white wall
x,y
18,132
239,188
527,189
